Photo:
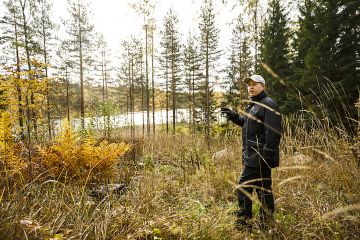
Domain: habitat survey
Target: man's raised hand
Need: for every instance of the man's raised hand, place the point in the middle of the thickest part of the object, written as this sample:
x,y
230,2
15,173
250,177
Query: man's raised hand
x,y
228,112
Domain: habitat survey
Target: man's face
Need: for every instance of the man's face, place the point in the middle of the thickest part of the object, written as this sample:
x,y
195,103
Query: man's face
x,y
254,88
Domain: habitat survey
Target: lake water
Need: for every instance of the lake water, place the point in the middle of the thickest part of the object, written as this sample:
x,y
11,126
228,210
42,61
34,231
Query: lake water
x,y
123,120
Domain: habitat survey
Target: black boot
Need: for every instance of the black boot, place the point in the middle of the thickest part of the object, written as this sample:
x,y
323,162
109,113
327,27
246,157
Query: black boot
x,y
265,221
242,223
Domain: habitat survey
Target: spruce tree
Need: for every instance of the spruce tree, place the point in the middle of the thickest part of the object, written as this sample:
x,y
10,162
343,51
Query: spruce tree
x,y
348,52
303,41
326,16
327,56
275,52
239,64
348,57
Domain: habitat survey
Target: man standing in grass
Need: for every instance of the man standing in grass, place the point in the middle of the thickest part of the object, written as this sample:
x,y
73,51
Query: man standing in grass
x,y
261,133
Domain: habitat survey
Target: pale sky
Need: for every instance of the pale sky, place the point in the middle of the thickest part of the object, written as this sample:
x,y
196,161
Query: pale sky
x,y
117,21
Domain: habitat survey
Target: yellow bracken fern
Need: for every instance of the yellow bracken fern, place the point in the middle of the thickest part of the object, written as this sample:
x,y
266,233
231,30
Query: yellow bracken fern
x,y
82,160
9,160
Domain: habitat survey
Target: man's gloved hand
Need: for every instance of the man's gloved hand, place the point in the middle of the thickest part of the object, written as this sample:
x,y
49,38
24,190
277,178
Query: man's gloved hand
x,y
228,112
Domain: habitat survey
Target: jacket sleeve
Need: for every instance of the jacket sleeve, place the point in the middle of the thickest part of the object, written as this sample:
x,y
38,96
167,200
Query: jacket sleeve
x,y
272,124
237,119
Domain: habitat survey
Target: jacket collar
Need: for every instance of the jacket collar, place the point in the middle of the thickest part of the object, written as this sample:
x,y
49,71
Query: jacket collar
x,y
258,97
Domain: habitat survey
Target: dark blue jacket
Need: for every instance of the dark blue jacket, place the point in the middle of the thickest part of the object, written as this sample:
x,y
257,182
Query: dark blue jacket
x,y
261,132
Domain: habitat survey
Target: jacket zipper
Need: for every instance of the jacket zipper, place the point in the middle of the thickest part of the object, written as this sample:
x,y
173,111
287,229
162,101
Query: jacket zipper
x,y
246,133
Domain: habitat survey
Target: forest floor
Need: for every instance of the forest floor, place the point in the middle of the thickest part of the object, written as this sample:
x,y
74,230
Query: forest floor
x,y
175,189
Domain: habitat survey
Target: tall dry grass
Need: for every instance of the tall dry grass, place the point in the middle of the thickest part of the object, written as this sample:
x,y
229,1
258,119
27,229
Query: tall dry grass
x,y
176,190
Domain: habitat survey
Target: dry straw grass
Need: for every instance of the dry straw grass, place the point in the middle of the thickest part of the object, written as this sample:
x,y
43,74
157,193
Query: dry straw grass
x,y
176,190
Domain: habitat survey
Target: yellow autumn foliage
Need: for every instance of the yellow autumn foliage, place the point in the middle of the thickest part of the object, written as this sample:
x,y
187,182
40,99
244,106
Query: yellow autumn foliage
x,y
10,160
82,159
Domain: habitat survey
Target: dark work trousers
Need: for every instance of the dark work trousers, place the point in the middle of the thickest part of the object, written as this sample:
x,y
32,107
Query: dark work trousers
x,y
260,179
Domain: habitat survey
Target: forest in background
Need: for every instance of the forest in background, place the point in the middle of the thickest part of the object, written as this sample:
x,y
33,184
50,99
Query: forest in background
x,y
46,76
170,185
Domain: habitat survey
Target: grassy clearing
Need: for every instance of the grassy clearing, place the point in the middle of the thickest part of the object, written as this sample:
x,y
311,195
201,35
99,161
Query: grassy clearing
x,y
176,190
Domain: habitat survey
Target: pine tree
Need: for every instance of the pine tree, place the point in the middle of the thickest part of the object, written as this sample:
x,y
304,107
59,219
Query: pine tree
x,y
192,77
275,52
140,86
152,29
31,47
65,68
164,73
26,80
146,8
80,29
172,58
102,65
132,78
102,78
11,36
127,81
209,37
255,12
46,28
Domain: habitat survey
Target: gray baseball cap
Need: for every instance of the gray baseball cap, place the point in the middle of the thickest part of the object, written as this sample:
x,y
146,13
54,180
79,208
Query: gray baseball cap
x,y
255,78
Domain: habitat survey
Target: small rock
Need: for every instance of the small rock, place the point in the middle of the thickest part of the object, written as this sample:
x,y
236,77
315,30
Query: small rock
x,y
101,191
221,154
